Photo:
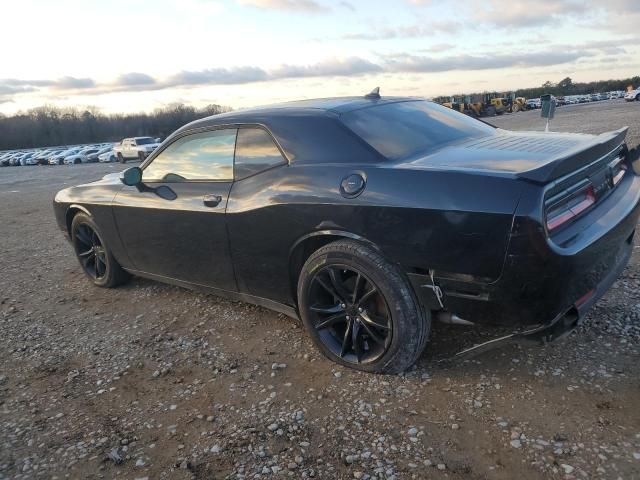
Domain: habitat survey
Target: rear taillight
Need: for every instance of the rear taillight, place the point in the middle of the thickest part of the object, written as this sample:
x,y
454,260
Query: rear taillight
x,y
570,206
617,169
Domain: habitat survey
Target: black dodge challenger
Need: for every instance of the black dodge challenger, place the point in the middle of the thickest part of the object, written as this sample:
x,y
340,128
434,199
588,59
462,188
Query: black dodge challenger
x,y
367,217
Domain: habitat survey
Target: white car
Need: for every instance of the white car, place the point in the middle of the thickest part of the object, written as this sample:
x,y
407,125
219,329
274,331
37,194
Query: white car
x,y
534,103
81,156
25,159
58,158
101,149
108,156
633,95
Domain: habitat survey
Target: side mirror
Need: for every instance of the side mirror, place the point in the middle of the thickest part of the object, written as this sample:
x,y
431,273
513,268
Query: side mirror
x,y
132,176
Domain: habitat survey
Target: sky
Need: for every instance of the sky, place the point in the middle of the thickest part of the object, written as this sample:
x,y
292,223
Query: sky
x,y
138,55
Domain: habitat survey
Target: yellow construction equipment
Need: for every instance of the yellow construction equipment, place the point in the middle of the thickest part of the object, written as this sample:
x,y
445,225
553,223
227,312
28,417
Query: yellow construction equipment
x,y
519,105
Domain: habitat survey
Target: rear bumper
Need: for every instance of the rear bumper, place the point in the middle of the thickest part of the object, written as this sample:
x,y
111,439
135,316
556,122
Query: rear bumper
x,y
541,281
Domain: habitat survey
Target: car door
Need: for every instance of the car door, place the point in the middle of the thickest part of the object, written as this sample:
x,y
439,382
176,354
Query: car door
x,y
174,224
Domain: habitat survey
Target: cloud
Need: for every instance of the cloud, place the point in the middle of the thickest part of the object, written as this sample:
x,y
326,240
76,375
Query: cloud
x,y
68,83
438,48
423,64
328,68
221,76
524,13
349,67
13,90
286,5
407,31
135,79
347,5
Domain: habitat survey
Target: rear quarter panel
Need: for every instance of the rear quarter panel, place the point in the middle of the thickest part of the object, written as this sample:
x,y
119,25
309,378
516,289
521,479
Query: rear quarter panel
x,y
448,221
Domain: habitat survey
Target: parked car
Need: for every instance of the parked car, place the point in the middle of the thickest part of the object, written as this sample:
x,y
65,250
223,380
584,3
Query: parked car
x,y
367,217
26,159
108,156
41,158
4,159
58,158
7,158
17,160
81,156
136,147
94,157
534,103
633,95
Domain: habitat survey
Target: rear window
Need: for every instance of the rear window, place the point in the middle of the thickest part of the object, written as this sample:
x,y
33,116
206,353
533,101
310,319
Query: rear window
x,y
406,129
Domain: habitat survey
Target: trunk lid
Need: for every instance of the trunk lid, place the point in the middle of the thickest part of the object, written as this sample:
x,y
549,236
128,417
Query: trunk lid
x,y
534,156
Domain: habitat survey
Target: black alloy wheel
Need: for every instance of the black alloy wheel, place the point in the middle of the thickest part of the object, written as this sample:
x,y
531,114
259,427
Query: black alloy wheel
x,y
94,256
360,309
90,252
349,314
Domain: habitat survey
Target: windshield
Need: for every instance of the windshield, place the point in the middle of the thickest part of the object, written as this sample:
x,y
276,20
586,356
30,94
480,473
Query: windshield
x,y
404,129
144,141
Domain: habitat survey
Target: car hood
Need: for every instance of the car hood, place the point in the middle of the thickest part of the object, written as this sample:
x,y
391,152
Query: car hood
x,y
535,156
110,178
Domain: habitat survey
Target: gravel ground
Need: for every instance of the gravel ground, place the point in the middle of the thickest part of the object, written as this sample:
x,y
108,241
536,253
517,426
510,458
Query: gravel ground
x,y
153,381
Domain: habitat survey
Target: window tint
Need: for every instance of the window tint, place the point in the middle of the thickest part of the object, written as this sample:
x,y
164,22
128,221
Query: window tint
x,y
200,156
255,151
404,129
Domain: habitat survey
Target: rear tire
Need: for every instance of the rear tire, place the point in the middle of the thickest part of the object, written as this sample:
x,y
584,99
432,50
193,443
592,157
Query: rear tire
x,y
391,329
94,255
141,156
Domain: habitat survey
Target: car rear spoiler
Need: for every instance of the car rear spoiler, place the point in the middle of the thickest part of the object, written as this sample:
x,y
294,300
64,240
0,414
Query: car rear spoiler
x,y
580,156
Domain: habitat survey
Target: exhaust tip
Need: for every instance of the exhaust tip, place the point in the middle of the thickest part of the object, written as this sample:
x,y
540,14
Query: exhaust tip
x,y
452,319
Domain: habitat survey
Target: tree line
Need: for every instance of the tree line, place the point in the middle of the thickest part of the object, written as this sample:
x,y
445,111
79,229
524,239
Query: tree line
x,y
52,126
566,86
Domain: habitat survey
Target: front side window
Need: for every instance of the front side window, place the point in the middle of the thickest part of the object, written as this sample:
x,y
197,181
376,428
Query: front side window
x,y
255,152
199,156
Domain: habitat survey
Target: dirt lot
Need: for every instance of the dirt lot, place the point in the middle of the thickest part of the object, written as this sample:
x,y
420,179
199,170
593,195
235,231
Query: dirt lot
x,y
182,385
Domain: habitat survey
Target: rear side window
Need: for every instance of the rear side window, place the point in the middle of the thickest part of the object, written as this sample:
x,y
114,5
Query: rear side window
x,y
255,152
405,129
199,156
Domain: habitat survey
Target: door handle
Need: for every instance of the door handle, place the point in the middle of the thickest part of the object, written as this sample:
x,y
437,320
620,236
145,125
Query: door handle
x,y
211,200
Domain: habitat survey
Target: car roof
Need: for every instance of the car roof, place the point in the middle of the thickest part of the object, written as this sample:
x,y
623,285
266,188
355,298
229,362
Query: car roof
x,y
317,106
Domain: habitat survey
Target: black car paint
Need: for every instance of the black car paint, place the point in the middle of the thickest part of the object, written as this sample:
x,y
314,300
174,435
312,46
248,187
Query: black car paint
x,y
470,217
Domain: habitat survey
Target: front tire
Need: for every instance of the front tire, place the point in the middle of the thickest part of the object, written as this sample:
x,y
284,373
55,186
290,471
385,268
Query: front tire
x,y
360,309
94,256
141,156
121,159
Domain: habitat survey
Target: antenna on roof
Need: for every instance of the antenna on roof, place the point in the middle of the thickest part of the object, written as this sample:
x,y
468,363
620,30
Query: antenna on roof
x,y
373,94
